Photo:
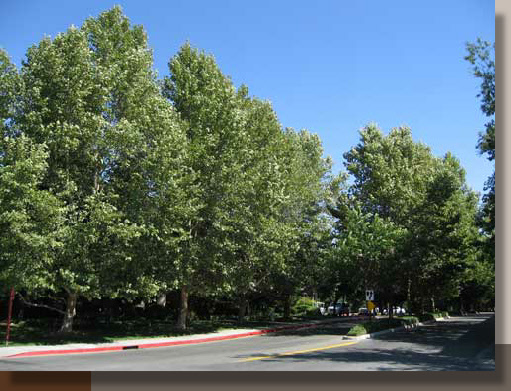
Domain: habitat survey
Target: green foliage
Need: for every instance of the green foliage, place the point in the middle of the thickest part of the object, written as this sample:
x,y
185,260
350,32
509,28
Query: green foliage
x,y
10,85
428,316
91,97
303,305
406,226
481,55
28,216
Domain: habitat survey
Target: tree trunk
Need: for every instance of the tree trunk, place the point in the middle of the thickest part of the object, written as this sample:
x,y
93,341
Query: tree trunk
x,y
287,307
391,310
242,310
183,309
409,291
67,322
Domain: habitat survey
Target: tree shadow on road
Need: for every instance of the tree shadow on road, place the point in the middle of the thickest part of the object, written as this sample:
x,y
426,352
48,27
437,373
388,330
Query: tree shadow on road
x,y
382,360
442,346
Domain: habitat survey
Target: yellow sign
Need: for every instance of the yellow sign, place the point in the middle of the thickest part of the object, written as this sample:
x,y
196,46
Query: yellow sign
x,y
370,305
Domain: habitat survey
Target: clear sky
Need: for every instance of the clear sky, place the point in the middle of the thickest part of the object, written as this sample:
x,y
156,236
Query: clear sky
x,y
328,66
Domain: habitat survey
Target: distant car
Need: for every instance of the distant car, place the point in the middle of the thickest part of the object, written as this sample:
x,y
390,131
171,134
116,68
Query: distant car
x,y
363,311
396,311
339,309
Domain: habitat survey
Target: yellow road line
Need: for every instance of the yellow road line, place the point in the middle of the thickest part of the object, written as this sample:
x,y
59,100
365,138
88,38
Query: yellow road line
x,y
298,352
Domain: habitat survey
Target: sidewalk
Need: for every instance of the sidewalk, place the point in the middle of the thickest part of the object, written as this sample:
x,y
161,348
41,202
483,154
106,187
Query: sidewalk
x,y
40,350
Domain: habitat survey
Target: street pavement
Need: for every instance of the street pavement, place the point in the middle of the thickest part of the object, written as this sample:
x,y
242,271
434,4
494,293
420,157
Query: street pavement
x,y
455,344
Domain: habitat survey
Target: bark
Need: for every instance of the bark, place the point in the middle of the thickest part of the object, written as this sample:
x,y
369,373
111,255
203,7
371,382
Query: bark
x,y
69,313
183,309
287,307
242,310
409,292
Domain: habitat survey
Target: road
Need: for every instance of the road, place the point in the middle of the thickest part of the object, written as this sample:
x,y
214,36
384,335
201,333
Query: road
x,y
460,343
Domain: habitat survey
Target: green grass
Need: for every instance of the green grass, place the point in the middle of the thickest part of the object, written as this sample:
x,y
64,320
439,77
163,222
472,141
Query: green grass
x,y
39,332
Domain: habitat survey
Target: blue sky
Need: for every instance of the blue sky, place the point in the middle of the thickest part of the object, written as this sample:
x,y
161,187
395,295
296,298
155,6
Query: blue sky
x,y
328,66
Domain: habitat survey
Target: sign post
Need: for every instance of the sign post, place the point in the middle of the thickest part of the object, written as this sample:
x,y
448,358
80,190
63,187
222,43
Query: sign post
x,y
369,300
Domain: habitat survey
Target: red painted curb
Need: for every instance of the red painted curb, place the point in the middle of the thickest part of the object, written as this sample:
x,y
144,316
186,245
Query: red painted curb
x,y
160,344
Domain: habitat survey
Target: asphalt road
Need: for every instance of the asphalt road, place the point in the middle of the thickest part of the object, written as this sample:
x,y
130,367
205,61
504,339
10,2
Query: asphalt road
x,y
462,343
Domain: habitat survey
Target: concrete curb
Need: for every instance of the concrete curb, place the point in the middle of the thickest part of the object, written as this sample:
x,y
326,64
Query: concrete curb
x,y
148,345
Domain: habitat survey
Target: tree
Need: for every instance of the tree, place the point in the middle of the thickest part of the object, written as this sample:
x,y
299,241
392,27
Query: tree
x,y
481,55
253,180
446,233
404,184
367,251
207,102
89,95
301,213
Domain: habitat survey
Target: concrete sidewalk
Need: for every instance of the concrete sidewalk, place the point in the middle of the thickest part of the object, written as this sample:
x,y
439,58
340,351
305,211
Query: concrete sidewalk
x,y
144,343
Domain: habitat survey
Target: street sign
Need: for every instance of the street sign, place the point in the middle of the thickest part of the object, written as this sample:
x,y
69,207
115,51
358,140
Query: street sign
x,y
369,294
371,306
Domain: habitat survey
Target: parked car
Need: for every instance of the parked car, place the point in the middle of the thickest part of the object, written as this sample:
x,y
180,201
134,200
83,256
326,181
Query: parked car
x,y
395,310
363,311
339,309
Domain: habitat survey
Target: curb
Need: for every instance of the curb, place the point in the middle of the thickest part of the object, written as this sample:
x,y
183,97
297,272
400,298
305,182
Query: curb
x,y
164,344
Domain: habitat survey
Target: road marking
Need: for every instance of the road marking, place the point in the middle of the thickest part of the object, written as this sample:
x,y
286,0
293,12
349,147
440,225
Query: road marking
x,y
298,352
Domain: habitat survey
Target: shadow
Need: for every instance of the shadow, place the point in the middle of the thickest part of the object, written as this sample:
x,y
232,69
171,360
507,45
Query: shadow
x,y
448,334
284,378
441,346
386,360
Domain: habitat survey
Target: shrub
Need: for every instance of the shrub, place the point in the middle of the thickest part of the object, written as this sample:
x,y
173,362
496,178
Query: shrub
x,y
432,315
426,317
408,320
303,306
313,313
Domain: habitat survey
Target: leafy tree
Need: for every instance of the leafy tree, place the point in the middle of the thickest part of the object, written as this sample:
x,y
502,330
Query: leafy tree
x,y
89,95
252,179
401,182
208,104
481,55
367,251
300,215
445,233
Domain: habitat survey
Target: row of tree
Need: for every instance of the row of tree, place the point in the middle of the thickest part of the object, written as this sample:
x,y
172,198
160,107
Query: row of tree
x,y
116,184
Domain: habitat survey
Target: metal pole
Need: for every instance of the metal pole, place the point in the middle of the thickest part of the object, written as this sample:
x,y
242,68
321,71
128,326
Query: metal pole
x,y
11,299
